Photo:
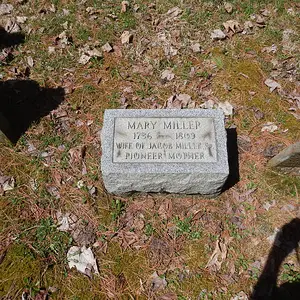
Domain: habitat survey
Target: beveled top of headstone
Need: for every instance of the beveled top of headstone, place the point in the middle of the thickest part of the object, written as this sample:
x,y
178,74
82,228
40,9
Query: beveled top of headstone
x,y
289,157
164,141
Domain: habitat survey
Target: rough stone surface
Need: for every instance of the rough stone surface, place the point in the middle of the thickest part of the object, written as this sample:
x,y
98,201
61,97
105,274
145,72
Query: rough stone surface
x,y
176,151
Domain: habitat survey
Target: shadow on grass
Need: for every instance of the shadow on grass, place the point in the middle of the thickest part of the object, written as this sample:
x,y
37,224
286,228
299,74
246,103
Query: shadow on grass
x,y
233,159
10,39
24,102
286,241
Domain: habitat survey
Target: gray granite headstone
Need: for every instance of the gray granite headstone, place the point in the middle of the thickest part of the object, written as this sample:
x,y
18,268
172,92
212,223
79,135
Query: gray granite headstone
x,y
176,151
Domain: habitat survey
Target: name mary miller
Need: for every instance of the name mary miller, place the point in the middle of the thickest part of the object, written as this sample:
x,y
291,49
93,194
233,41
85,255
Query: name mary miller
x,y
180,124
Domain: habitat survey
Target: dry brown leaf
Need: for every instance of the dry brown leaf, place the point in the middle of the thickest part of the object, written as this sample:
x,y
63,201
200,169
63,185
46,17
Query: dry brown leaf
x,y
7,183
127,238
165,209
178,101
30,61
232,25
269,126
157,282
271,49
144,70
240,296
124,6
228,7
160,252
174,12
5,9
226,107
77,154
260,20
126,37
42,295
296,115
107,47
196,48
138,224
167,75
83,260
218,34
219,255
272,84
53,191
185,99
83,235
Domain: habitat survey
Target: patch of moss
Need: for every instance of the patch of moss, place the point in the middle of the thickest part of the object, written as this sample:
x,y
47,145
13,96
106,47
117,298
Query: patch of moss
x,y
132,265
244,76
192,282
18,268
195,255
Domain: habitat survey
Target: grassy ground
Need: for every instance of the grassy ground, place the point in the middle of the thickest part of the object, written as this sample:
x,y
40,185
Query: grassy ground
x,y
136,236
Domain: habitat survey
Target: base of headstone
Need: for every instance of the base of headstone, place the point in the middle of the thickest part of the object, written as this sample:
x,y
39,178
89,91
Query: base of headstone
x,y
174,151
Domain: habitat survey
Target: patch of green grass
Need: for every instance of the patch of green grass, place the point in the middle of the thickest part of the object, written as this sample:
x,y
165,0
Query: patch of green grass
x,y
248,7
272,34
31,285
107,34
46,241
197,18
185,69
113,100
17,201
145,90
245,123
83,33
218,61
50,140
289,274
242,262
234,230
206,295
64,159
282,117
251,185
96,62
114,72
52,25
279,4
248,206
185,227
89,88
204,74
117,206
165,63
128,20
149,229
